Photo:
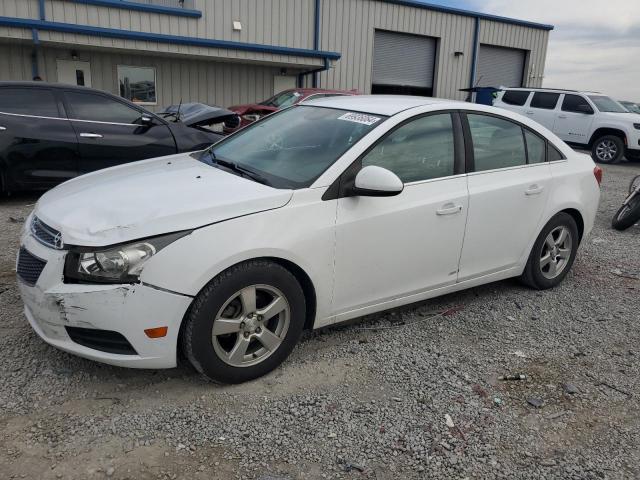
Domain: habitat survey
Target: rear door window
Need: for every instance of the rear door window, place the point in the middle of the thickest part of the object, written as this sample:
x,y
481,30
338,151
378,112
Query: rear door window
x,y
536,147
545,100
497,142
29,101
553,154
99,108
515,97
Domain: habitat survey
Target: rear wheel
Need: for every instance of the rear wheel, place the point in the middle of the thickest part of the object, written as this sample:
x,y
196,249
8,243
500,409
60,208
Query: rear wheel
x,y
628,214
608,149
553,253
245,322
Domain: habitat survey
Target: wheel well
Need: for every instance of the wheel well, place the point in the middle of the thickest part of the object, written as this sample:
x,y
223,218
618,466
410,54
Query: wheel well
x,y
601,132
306,284
577,216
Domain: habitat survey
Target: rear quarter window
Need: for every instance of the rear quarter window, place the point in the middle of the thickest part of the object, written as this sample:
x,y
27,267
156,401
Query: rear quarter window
x,y
515,97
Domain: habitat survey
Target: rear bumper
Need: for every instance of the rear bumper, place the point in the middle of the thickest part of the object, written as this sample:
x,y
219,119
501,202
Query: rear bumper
x,y
51,305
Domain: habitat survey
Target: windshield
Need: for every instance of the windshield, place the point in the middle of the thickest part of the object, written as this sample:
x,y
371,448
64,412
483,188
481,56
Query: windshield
x,y
607,104
283,99
292,148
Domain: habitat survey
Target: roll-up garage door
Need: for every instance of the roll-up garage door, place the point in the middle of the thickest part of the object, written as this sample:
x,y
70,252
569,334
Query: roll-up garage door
x,y
403,63
500,66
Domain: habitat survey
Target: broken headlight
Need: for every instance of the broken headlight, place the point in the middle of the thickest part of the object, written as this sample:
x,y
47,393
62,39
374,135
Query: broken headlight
x,y
117,264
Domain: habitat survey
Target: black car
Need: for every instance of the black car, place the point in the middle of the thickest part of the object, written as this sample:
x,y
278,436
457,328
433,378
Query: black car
x,y
52,132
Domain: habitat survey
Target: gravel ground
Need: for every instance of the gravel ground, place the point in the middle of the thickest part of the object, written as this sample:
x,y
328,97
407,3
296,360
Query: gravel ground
x,y
404,394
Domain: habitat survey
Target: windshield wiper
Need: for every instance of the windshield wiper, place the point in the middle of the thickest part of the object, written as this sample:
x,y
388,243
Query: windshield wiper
x,y
239,169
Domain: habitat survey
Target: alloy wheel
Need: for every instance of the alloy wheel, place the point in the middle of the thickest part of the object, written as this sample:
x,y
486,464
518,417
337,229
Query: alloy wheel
x,y
556,252
606,151
251,325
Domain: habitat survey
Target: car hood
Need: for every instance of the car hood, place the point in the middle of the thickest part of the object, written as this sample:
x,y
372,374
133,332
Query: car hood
x,y
625,117
252,107
199,114
151,197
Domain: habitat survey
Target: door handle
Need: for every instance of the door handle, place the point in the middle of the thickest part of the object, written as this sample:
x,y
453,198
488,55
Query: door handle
x,y
529,113
562,116
534,190
90,135
2,129
449,209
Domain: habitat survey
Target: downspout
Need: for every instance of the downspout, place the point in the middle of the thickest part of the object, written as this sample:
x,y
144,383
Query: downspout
x,y
313,72
316,40
36,41
474,56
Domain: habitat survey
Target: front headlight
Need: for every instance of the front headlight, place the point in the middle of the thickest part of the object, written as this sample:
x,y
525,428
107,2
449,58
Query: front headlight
x,y
117,264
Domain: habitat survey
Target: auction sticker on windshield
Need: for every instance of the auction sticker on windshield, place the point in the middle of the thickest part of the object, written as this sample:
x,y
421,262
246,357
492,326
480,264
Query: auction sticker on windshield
x,y
359,118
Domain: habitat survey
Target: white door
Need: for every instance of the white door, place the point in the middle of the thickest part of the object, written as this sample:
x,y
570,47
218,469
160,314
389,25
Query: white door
x,y
507,196
574,119
74,72
543,108
284,82
392,247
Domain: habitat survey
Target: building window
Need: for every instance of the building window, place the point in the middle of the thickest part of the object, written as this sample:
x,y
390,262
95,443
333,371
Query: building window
x,y
138,84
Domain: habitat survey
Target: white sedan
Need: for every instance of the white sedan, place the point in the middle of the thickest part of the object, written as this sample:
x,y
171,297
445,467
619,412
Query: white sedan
x,y
318,214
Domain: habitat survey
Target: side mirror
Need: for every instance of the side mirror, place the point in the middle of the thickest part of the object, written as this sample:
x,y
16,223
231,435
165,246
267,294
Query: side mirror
x,y
584,108
146,120
375,181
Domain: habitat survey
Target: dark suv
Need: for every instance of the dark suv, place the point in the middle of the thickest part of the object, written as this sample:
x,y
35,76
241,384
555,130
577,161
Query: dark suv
x,y
52,132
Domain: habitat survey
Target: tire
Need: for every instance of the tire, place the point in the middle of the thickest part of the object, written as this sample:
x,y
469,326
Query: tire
x,y
608,149
539,275
628,215
234,304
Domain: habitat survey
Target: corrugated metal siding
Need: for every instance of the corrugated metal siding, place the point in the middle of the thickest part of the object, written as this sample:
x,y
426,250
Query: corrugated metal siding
x,y
348,27
216,83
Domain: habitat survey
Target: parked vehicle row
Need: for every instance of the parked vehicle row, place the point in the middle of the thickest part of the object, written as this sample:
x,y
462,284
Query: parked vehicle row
x,y
584,119
50,133
253,112
300,221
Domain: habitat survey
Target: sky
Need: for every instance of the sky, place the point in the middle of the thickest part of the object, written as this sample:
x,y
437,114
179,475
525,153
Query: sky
x,y
595,44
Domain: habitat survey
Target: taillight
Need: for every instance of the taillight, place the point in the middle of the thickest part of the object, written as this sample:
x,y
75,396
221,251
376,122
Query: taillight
x,y
597,172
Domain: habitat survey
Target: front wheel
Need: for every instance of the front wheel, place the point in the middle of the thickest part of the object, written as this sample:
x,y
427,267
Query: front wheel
x,y
628,214
245,322
553,253
608,149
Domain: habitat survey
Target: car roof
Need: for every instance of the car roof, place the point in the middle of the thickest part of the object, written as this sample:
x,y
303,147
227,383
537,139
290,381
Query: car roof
x,y
551,90
48,85
382,104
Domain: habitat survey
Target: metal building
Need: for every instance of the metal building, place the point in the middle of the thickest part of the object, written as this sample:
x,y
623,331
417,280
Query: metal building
x,y
224,52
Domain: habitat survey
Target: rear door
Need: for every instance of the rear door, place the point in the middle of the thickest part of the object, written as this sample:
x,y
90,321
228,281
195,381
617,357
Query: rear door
x,y
38,147
543,107
574,119
509,182
111,132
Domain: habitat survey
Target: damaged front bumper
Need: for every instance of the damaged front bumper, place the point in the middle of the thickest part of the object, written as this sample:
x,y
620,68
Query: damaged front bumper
x,y
52,306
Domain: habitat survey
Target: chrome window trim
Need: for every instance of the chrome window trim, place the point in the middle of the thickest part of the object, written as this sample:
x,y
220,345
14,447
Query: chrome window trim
x,y
69,119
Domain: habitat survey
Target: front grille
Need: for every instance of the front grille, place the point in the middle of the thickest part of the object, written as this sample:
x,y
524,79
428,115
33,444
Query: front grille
x,y
103,340
29,267
45,234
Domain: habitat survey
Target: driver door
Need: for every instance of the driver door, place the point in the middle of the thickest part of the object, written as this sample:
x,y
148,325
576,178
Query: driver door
x,y
389,248
109,132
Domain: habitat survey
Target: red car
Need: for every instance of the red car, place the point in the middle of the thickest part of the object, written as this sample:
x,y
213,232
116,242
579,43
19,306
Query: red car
x,y
252,112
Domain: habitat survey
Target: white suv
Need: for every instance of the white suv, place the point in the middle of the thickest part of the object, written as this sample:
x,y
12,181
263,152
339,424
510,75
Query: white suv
x,y
584,119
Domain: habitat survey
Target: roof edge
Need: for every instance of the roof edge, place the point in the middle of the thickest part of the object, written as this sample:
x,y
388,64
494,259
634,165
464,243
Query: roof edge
x,y
470,13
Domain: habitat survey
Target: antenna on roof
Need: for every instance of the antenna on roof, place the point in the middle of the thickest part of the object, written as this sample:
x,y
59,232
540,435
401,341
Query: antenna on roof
x,y
178,112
